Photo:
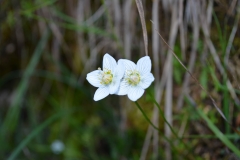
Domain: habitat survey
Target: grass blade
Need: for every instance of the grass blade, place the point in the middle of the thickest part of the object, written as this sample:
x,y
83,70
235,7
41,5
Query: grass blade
x,y
219,134
35,132
165,120
13,112
166,138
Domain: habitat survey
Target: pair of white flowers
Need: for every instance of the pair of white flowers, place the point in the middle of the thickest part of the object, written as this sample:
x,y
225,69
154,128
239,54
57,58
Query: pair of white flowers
x,y
121,78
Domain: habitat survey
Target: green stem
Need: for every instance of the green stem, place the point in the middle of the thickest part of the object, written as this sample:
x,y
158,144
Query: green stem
x,y
165,120
149,121
170,142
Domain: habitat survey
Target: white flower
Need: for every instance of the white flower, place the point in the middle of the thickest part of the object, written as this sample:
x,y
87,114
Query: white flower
x,y
57,146
136,78
108,79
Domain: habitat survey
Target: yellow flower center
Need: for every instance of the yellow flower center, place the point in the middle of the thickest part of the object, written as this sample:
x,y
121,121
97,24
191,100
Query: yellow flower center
x,y
106,76
133,77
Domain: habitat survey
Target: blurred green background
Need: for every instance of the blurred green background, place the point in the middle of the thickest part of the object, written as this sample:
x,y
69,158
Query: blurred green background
x,y
46,105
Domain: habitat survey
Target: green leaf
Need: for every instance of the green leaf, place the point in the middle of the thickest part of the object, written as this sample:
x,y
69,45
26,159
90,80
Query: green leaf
x,y
219,134
35,132
11,119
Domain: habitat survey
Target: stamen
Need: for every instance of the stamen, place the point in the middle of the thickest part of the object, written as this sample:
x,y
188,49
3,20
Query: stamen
x,y
105,76
133,77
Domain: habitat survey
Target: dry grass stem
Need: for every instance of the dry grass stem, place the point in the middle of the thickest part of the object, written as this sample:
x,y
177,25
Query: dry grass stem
x,y
231,38
127,29
169,86
117,17
156,52
141,13
182,29
195,26
146,143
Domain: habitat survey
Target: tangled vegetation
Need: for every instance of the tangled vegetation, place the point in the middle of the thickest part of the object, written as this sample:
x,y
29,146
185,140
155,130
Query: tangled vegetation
x,y
47,110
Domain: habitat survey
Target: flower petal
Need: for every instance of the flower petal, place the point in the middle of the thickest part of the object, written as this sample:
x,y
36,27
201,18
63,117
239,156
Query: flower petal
x,y
119,71
114,86
117,76
135,93
123,88
109,62
93,78
146,80
101,93
129,65
144,65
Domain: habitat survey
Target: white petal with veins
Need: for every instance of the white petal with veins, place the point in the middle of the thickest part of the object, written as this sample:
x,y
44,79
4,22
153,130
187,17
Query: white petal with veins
x,y
129,65
109,62
93,78
118,74
146,80
101,93
135,93
123,89
144,65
